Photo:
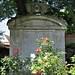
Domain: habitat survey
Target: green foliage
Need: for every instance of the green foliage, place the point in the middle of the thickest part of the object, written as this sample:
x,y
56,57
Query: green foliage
x,y
73,58
72,66
48,62
7,9
71,45
13,63
10,7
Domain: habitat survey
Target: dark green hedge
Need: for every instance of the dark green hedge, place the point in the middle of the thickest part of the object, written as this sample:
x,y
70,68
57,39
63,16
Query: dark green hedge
x,y
71,45
3,52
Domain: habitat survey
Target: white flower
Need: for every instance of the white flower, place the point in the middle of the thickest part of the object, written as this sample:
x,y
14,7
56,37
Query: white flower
x,y
40,60
32,59
32,55
31,68
23,61
62,10
51,53
45,57
27,66
46,53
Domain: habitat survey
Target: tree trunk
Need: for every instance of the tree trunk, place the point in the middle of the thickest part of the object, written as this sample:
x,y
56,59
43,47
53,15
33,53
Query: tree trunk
x,y
21,9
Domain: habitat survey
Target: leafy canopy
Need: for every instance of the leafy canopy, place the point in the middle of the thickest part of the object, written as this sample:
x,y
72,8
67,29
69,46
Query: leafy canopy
x,y
10,7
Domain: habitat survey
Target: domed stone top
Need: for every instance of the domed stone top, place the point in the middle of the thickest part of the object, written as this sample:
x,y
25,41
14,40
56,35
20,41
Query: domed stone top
x,y
36,22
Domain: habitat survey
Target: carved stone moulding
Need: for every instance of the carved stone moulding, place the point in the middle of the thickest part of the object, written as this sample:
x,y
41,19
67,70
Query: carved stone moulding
x,y
33,8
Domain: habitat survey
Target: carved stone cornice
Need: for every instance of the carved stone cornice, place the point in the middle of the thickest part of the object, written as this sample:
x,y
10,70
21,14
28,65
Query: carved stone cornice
x,y
35,22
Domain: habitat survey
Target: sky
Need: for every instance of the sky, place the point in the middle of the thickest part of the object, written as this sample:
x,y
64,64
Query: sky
x,y
4,27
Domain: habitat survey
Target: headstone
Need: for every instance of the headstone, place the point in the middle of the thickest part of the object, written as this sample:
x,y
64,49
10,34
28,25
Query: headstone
x,y
25,30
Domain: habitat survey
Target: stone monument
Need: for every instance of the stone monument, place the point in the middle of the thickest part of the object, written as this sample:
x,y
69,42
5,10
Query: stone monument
x,y
25,30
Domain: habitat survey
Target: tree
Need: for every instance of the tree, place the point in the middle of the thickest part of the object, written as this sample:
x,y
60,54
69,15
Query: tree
x,y
10,7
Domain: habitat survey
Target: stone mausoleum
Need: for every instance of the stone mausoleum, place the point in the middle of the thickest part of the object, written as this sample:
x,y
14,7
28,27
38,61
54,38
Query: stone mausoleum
x,y
26,29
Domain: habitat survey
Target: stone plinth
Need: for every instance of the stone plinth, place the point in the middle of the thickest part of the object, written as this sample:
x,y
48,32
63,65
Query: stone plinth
x,y
25,30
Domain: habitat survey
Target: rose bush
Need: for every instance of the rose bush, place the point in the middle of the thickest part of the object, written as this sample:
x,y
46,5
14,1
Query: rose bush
x,y
47,61
13,63
72,66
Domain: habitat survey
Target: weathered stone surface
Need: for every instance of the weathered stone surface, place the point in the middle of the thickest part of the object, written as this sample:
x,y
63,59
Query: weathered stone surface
x,y
25,31
38,22
36,8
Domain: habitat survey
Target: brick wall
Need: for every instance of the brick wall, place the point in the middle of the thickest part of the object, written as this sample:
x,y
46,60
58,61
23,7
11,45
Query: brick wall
x,y
69,38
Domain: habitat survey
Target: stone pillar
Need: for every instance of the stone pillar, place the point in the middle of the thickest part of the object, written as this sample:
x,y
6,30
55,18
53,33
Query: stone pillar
x,y
25,30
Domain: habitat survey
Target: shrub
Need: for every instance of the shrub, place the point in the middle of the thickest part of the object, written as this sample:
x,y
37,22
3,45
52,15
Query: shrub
x,y
46,62
71,45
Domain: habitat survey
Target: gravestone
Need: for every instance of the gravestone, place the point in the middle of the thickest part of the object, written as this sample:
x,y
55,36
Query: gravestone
x,y
25,30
